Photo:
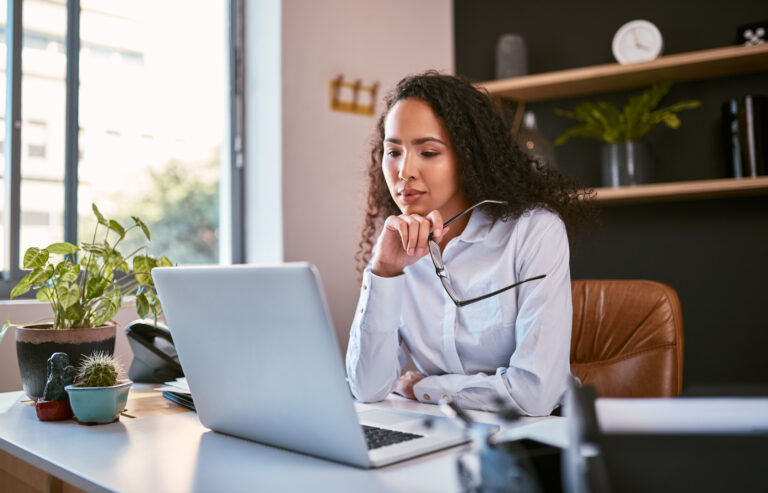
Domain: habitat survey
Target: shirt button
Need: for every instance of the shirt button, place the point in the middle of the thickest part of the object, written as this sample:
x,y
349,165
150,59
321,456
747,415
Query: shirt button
x,y
426,397
361,310
365,287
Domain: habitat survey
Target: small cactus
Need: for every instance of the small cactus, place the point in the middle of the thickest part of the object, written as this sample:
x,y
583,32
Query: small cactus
x,y
98,370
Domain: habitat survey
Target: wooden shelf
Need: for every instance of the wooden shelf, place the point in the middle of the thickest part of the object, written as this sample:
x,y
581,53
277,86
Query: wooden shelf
x,y
705,64
684,190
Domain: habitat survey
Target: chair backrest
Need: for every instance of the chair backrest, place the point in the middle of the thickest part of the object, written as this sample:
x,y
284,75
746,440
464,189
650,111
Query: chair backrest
x,y
627,338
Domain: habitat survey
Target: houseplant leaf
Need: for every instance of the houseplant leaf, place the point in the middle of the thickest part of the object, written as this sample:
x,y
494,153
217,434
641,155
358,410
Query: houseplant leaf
x,y
143,227
142,305
62,248
98,215
40,275
142,266
22,287
44,294
35,257
116,227
604,122
68,295
67,271
95,287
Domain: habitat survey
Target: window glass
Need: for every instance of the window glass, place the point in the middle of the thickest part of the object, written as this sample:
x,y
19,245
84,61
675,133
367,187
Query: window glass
x,y
3,252
153,106
43,59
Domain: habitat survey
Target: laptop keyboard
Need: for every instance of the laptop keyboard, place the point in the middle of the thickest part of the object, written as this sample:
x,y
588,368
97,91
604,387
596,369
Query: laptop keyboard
x,y
381,437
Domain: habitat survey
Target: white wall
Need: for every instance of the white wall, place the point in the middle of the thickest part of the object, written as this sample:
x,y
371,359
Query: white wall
x,y
325,152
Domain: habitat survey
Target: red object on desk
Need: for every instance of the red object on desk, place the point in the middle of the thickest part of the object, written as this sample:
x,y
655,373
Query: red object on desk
x,y
53,410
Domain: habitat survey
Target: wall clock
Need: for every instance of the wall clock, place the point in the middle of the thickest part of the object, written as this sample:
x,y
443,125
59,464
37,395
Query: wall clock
x,y
637,41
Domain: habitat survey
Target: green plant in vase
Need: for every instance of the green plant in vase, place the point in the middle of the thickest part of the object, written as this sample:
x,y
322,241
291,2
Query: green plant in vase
x,y
83,295
624,157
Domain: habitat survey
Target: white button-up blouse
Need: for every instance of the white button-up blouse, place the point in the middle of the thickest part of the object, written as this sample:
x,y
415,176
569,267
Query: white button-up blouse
x,y
514,346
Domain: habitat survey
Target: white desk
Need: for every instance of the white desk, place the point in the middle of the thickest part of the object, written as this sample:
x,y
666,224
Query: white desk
x,y
175,453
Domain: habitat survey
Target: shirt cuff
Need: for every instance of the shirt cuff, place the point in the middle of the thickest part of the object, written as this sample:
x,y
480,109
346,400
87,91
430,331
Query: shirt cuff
x,y
381,300
429,391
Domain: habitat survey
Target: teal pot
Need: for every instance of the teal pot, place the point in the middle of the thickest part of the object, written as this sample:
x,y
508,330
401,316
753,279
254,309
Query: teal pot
x,y
626,164
36,343
95,405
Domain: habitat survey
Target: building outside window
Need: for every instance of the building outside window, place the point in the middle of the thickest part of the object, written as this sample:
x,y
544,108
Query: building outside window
x,y
153,111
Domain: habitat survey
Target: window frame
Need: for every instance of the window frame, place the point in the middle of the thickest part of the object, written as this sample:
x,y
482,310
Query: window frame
x,y
11,208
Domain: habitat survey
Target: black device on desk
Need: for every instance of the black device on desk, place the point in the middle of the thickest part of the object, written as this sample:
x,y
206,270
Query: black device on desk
x,y
154,355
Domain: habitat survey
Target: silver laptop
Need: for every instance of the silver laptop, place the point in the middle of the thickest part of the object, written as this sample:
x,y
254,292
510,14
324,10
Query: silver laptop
x,y
260,355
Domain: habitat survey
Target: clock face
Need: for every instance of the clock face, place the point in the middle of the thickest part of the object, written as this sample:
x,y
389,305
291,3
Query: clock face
x,y
637,41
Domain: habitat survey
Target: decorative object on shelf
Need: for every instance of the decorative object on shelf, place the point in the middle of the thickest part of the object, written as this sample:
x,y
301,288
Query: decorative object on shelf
x,y
511,56
84,296
354,105
752,34
624,164
637,41
54,404
98,396
745,136
533,141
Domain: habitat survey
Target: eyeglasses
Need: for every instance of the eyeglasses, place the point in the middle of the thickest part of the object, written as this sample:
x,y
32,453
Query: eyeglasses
x,y
437,259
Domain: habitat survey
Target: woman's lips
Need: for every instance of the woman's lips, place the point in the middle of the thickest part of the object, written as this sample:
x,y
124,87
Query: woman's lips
x,y
411,196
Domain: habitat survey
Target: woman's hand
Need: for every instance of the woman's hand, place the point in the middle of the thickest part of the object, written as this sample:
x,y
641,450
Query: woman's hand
x,y
403,241
406,382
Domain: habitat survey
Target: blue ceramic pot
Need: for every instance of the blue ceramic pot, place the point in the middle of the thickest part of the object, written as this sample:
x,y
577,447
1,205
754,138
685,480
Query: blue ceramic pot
x,y
98,404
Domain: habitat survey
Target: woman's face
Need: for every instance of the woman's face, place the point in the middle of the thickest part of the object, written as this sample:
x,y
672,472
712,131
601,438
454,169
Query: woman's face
x,y
419,164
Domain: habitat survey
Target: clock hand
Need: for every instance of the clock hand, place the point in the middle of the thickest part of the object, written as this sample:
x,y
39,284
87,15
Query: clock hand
x,y
637,41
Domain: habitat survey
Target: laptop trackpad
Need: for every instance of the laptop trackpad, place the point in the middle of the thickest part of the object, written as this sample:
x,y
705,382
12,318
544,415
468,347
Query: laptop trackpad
x,y
388,418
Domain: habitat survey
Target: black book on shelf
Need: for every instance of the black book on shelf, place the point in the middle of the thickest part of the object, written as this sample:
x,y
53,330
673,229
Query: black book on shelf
x,y
745,136
731,140
759,131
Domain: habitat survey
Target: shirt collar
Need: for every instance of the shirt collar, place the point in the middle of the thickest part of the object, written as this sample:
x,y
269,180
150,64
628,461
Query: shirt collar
x,y
478,227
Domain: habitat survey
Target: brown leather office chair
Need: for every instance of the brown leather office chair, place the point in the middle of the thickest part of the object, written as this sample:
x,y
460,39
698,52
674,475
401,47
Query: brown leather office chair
x,y
627,338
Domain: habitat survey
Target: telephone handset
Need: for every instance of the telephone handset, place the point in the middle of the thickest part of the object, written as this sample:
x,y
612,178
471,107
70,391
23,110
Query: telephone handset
x,y
154,355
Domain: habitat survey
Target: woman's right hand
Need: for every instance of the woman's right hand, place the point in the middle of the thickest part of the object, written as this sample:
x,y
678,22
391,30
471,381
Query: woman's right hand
x,y
403,241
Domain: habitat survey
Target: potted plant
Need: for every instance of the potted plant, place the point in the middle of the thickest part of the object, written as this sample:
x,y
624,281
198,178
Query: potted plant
x,y
98,395
625,158
84,296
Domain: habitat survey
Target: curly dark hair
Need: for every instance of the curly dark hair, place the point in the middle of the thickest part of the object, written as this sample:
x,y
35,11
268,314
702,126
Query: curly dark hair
x,y
492,165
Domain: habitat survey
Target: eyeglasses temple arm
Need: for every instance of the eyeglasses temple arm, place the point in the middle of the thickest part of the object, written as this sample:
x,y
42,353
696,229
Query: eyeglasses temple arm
x,y
467,302
500,202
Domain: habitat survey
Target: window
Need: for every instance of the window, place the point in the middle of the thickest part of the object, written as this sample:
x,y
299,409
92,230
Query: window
x,y
153,111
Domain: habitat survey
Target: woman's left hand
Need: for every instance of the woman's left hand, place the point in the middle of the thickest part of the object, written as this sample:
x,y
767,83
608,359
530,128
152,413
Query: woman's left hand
x,y
406,382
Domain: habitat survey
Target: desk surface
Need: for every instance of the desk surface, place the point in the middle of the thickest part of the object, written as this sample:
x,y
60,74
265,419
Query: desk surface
x,y
158,451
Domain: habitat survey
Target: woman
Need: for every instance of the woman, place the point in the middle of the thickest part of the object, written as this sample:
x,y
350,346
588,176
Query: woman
x,y
440,148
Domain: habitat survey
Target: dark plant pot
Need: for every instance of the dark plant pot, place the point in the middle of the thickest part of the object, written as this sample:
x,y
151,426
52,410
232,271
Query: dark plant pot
x,y
625,164
36,343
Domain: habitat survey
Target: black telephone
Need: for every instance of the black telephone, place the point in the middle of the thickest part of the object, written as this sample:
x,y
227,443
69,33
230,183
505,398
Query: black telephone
x,y
154,356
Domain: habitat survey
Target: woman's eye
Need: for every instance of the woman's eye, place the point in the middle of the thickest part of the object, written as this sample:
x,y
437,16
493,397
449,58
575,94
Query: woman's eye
x,y
429,153
392,153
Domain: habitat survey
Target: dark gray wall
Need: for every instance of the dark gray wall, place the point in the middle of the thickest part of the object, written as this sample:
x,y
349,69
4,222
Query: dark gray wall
x,y
713,252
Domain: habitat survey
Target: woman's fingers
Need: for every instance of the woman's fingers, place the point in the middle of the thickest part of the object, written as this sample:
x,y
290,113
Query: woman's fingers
x,y
436,219
414,230
418,233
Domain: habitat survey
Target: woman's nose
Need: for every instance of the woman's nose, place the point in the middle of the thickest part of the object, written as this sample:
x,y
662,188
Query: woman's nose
x,y
407,169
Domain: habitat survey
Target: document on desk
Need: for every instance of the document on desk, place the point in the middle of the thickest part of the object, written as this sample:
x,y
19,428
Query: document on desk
x,y
179,385
718,415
